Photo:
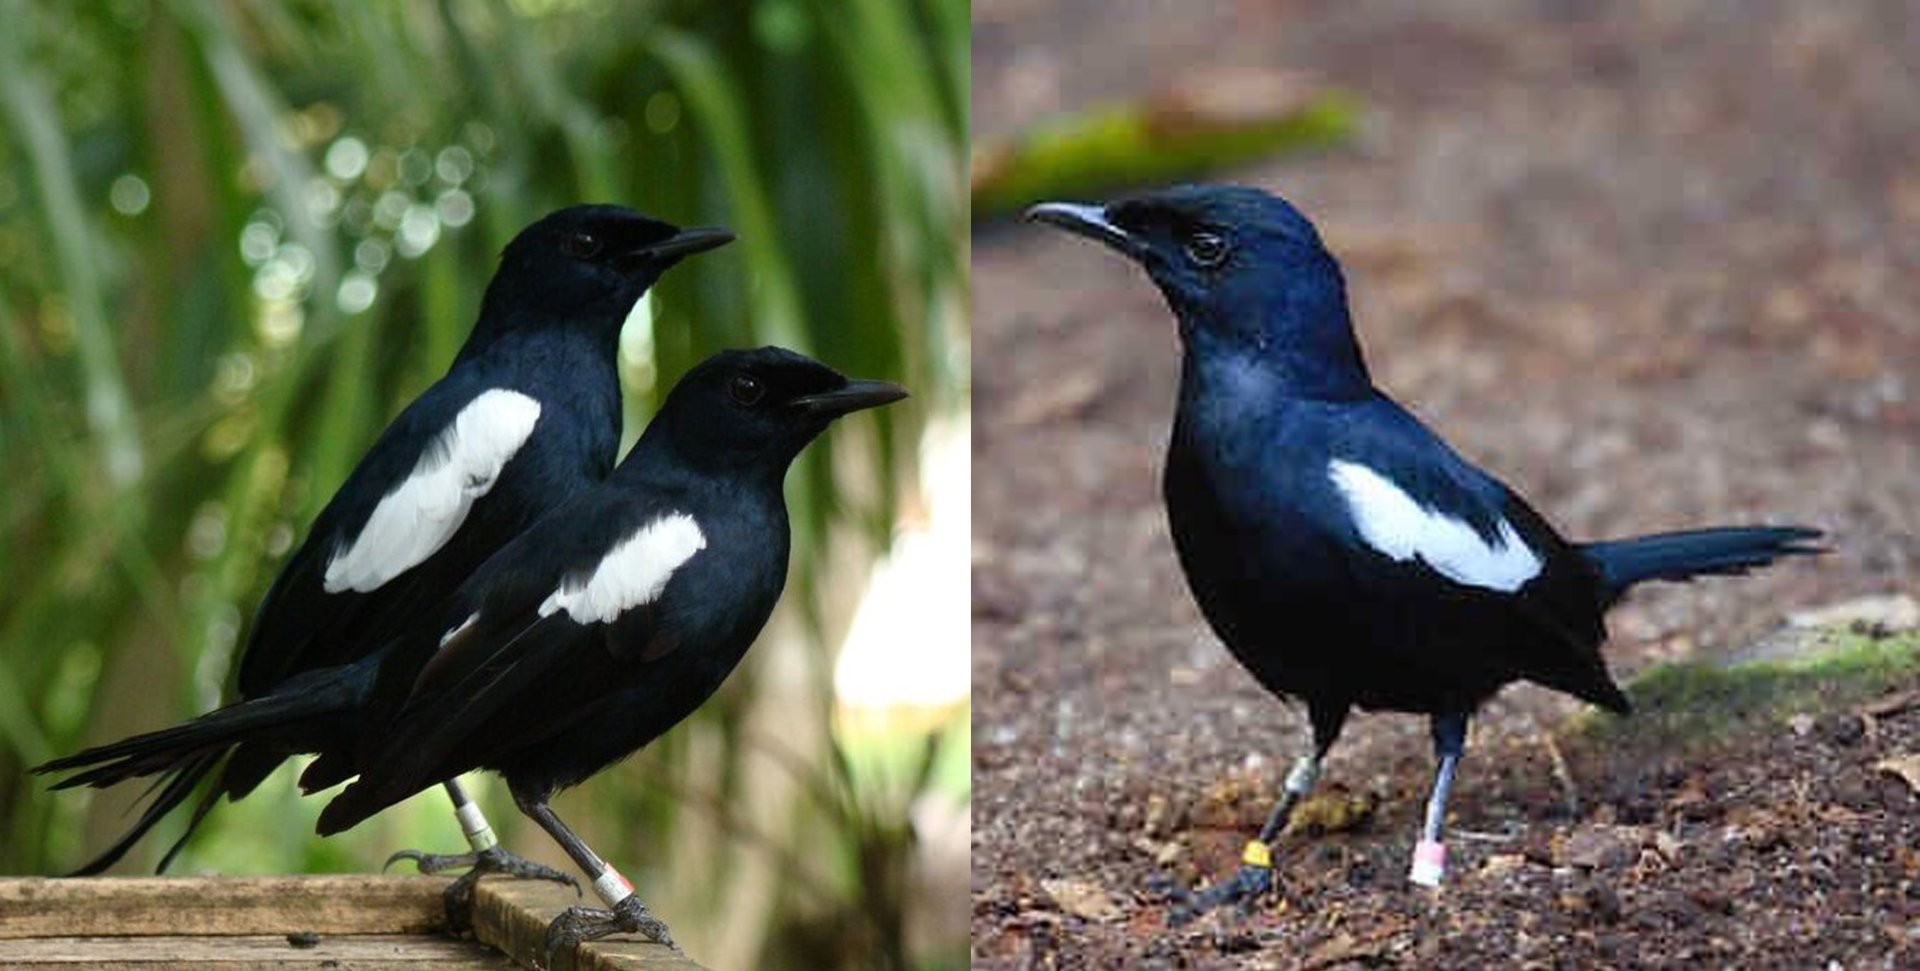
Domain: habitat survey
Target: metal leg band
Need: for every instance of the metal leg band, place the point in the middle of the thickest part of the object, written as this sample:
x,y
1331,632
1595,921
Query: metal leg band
x,y
612,887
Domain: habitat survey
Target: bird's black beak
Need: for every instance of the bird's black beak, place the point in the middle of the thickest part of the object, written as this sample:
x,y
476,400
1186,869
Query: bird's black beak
x,y
693,239
1088,221
851,397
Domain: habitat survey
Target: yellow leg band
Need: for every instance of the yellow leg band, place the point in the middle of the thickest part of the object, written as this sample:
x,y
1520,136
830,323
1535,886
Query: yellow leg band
x,y
1257,853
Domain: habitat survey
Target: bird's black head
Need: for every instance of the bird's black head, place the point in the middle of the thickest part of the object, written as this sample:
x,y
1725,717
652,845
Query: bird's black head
x,y
756,409
1242,269
585,266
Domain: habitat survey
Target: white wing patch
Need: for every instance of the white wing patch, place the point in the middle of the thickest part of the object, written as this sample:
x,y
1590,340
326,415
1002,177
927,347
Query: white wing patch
x,y
631,574
1398,526
413,521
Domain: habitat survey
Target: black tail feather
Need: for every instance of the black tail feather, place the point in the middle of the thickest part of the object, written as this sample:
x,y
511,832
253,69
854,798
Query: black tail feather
x,y
1685,555
184,755
180,783
200,812
159,751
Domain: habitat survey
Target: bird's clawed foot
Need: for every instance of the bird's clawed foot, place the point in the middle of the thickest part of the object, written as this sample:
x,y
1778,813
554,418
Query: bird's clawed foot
x,y
577,925
458,898
1244,889
495,860
1252,881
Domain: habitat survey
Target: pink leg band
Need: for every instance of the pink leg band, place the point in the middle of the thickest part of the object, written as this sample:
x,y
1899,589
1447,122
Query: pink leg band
x,y
1429,863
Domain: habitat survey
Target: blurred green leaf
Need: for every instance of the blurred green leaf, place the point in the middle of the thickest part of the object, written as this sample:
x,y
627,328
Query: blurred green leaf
x,y
1180,134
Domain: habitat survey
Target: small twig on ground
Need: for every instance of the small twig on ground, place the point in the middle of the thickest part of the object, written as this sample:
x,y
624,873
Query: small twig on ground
x,y
1511,834
1897,703
1893,704
1561,773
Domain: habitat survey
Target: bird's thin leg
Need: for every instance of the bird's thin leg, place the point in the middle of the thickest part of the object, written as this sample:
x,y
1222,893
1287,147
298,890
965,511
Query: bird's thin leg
x,y
1300,781
577,925
1255,875
1254,878
1430,854
472,821
487,857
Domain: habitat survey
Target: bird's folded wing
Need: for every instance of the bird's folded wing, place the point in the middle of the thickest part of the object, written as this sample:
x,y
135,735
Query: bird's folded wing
x,y
406,499
1463,560
568,617
487,669
1466,537
505,682
416,515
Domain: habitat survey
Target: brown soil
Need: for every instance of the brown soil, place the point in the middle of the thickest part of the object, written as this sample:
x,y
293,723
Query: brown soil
x,y
1654,264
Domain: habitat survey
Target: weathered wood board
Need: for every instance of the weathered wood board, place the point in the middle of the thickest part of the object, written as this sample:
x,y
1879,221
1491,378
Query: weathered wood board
x,y
147,953
513,915
336,922
203,906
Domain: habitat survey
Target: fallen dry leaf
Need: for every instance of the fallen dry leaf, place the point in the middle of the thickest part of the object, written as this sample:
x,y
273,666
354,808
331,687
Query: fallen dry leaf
x,y
1344,947
1600,847
1906,766
1068,397
1082,899
1501,864
1892,704
1333,811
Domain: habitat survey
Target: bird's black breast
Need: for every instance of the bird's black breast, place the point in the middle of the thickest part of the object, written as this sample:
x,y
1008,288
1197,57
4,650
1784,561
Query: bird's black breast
x,y
1261,571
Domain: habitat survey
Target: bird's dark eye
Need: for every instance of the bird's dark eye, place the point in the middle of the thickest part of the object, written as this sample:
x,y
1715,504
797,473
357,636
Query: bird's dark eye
x,y
1207,249
581,246
747,390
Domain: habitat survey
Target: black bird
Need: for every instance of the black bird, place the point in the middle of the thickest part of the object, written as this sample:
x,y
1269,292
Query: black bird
x,y
614,616
1342,551
527,416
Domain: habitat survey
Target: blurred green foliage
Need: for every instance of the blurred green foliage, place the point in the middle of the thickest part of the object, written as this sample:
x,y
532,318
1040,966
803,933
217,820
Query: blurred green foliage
x,y
237,237
1161,140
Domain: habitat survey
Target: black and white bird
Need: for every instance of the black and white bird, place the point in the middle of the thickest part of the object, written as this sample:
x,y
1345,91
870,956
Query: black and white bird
x,y
1343,552
611,618
527,416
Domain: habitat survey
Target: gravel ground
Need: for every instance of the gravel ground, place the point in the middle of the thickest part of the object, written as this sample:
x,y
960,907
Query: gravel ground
x,y
1655,264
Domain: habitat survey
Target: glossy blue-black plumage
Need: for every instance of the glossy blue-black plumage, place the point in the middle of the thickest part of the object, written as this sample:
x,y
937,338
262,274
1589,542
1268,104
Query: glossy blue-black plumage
x,y
1341,550
548,329
546,699
1278,565
1273,390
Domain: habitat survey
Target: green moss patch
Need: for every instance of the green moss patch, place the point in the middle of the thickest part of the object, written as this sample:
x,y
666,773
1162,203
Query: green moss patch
x,y
1686,705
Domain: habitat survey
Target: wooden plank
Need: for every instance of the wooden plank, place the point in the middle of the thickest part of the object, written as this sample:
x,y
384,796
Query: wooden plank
x,y
123,906
162,953
513,915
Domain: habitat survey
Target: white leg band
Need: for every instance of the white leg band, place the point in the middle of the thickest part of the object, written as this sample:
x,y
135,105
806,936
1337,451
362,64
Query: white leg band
x,y
1305,772
474,824
612,887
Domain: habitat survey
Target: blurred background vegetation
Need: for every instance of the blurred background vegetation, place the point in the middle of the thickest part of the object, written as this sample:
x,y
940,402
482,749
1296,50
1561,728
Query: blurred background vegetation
x,y
237,237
